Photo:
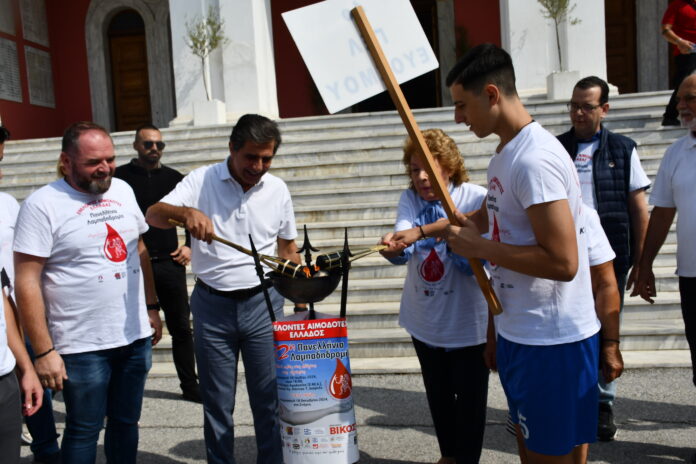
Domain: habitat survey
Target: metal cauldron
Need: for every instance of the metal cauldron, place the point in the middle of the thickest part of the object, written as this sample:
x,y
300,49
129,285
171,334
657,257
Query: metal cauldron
x,y
305,290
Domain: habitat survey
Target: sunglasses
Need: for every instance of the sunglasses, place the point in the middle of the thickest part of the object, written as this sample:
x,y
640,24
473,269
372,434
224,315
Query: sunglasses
x,y
149,143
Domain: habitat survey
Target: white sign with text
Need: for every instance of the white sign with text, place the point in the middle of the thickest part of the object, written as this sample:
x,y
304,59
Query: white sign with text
x,y
337,58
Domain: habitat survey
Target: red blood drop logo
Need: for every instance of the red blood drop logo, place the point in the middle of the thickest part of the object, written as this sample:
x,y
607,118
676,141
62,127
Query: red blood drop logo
x,y
432,268
341,385
114,246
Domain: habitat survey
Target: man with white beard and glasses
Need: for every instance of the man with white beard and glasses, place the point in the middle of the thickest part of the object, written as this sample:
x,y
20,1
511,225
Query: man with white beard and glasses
x,y
673,191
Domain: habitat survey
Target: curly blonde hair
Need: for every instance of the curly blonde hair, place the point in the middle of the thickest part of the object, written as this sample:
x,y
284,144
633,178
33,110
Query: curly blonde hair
x,y
445,152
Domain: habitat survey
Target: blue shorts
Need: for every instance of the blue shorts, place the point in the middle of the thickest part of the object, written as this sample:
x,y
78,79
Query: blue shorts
x,y
552,392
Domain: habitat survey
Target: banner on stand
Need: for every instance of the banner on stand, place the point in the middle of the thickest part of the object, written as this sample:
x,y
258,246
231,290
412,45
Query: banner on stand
x,y
317,418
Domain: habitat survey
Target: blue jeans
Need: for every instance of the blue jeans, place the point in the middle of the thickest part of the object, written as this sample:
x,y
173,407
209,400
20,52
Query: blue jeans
x,y
42,425
107,383
222,327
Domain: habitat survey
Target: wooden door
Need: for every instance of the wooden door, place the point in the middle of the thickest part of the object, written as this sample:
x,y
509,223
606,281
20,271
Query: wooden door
x,y
130,81
620,29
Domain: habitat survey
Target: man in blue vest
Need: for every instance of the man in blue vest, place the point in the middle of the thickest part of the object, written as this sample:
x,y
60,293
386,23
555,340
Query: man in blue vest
x,y
613,183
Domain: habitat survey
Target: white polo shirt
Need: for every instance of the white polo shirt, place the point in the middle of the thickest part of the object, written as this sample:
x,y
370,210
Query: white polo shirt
x,y
264,211
674,188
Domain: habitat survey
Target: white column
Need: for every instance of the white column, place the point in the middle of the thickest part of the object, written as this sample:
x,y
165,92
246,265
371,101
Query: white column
x,y
247,60
188,75
531,41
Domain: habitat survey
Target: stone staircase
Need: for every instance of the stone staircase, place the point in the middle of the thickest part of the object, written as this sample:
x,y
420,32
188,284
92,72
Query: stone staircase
x,y
345,171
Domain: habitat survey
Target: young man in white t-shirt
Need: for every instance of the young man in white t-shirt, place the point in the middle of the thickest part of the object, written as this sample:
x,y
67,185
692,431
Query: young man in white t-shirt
x,y
548,347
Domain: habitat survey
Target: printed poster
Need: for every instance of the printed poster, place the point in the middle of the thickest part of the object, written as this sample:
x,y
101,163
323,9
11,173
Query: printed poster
x,y
317,418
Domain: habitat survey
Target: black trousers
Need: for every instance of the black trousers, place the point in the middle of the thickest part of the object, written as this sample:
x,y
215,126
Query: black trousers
x,y
10,419
685,65
687,291
456,385
170,284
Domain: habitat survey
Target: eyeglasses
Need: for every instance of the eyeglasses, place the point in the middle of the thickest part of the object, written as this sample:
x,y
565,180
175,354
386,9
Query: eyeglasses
x,y
586,107
149,143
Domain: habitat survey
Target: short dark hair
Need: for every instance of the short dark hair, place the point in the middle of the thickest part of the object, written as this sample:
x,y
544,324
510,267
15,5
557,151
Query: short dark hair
x,y
74,131
594,81
484,64
4,134
145,127
255,128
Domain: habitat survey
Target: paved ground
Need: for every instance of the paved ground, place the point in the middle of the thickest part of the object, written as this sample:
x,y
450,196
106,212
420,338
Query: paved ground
x,y
656,412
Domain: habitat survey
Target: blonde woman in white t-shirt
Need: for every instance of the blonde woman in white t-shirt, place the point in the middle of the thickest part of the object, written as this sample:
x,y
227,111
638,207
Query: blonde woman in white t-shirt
x,y
441,306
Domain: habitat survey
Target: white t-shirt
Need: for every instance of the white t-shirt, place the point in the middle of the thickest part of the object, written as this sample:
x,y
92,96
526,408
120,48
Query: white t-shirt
x,y
583,163
598,247
9,208
441,305
92,284
264,211
674,188
7,360
534,168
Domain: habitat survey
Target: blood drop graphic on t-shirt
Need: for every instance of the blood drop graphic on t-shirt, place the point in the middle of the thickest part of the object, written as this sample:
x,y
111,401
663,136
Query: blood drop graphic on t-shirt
x,y
432,268
341,385
114,247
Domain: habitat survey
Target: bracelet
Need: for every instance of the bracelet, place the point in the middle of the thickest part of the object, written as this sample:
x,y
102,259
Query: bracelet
x,y
44,353
153,307
611,340
423,236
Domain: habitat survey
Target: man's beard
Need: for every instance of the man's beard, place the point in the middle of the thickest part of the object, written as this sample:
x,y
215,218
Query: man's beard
x,y
94,186
691,125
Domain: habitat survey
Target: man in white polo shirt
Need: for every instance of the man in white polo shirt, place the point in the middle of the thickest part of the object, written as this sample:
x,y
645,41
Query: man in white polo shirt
x,y
674,192
235,199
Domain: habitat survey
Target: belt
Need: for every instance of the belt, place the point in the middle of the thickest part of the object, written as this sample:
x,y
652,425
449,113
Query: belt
x,y
242,294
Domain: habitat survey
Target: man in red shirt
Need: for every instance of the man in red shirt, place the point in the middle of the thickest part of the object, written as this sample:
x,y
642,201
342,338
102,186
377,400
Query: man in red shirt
x,y
679,29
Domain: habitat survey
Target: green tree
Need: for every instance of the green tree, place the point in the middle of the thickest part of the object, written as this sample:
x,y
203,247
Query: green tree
x,y
203,36
558,11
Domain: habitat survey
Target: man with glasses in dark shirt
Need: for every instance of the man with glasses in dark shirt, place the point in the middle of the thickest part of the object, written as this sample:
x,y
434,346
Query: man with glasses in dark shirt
x,y
613,183
151,180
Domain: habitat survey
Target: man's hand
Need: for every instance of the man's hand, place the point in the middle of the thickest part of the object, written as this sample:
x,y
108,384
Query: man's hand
x,y
632,277
611,361
199,225
156,324
685,47
182,255
645,285
464,239
32,393
51,371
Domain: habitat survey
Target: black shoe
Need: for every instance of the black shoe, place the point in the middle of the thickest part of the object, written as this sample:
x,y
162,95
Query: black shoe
x,y
54,458
606,428
192,394
670,122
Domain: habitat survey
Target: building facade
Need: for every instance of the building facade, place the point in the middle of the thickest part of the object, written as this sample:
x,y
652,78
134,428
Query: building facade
x,y
122,63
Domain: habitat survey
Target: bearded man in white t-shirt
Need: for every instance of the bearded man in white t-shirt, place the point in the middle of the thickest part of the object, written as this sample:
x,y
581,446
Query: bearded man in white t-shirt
x,y
548,343
613,183
82,279
236,198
